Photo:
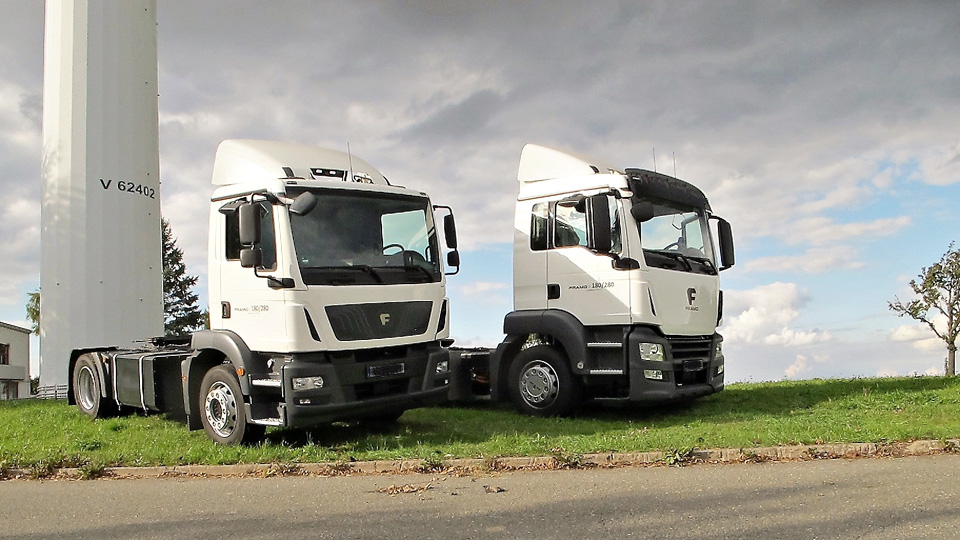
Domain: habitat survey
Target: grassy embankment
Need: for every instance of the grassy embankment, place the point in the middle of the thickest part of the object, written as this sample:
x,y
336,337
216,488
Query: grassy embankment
x,y
44,434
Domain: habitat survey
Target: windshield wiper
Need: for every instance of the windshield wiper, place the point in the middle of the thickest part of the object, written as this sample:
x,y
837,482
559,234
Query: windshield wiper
x,y
430,275
705,261
362,267
676,256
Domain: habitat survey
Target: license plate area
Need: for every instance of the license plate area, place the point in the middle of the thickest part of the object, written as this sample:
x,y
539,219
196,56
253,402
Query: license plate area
x,y
387,370
694,365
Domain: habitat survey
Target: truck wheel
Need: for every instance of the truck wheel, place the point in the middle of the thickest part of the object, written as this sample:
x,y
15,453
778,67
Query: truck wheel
x,y
87,388
222,413
541,383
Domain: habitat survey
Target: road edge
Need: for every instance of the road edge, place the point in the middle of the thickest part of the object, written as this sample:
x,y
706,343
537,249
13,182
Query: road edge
x,y
558,460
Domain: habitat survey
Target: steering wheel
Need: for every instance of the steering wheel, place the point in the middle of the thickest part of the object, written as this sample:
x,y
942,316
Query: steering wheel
x,y
388,246
673,245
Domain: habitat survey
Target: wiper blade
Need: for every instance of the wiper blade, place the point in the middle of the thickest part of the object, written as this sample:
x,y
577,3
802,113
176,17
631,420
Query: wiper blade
x,y
430,275
675,255
705,261
368,269
362,267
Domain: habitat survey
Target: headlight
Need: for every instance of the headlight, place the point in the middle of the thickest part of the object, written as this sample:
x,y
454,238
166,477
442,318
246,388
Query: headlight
x,y
651,352
443,366
306,383
718,350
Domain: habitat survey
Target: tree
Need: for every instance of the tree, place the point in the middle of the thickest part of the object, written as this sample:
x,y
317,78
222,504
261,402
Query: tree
x,y
938,289
33,311
180,312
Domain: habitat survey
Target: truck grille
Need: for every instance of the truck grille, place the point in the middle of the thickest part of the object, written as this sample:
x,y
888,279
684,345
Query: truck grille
x,y
353,322
693,356
690,348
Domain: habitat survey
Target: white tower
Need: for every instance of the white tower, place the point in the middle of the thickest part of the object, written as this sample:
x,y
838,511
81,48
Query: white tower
x,y
101,272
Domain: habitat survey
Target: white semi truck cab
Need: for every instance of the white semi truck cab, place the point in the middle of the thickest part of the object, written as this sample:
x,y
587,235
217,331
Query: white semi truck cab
x,y
327,302
616,288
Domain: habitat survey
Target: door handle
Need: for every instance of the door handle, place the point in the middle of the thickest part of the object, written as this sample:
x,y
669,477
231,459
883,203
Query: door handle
x,y
553,291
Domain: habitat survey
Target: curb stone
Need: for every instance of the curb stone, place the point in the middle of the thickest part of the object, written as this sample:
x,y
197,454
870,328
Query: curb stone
x,y
466,466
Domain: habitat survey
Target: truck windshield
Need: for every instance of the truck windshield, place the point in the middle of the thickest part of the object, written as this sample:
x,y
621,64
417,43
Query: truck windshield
x,y
678,238
353,238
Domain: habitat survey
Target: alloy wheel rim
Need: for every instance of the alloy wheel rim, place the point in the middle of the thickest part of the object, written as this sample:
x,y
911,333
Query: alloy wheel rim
x,y
539,384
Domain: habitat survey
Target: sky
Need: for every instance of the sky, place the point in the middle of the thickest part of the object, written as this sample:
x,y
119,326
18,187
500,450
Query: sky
x,y
826,133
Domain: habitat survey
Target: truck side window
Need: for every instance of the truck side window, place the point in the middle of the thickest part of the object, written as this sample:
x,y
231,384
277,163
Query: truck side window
x,y
268,242
616,241
570,227
267,239
539,217
233,236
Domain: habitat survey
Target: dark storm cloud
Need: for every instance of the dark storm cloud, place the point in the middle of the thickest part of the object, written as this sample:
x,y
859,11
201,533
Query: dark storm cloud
x,y
750,96
457,123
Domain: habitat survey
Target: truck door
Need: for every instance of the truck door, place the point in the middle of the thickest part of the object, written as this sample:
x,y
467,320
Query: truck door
x,y
248,305
580,281
531,245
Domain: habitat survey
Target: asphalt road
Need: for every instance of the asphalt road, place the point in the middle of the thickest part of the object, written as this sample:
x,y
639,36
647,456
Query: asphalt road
x,y
900,498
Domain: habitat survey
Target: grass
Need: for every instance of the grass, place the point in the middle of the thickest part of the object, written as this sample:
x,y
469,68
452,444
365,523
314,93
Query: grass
x,y
40,436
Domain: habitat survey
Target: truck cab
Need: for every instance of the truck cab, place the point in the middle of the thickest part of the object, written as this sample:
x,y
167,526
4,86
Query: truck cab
x,y
327,302
331,277
616,287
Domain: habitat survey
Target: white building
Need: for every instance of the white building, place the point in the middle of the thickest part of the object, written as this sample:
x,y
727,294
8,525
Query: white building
x,y
14,362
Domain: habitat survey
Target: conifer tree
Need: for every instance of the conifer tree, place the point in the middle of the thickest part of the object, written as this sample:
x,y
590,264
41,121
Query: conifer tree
x,y
180,312
33,311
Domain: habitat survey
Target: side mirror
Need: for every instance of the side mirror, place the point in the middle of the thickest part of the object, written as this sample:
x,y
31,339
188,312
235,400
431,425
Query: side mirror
x,y
727,258
450,231
251,257
598,215
642,211
453,259
249,224
303,204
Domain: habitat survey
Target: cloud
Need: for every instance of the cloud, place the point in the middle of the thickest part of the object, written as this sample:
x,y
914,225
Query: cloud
x,y
920,335
790,337
912,332
459,122
816,129
941,165
813,261
764,314
801,365
821,230
484,292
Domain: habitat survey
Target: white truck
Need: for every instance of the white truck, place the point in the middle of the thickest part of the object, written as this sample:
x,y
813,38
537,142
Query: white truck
x,y
616,291
327,302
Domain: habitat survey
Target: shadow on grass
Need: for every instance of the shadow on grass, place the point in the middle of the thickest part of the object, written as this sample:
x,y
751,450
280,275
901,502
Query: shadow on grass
x,y
483,421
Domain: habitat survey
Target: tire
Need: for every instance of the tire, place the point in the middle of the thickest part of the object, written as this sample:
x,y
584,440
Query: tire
x,y
222,413
541,383
87,388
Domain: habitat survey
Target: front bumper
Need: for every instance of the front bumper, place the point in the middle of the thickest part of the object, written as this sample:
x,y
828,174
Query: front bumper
x,y
363,388
690,369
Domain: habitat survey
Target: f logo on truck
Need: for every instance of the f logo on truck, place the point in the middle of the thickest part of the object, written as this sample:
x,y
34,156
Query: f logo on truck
x,y
384,319
691,295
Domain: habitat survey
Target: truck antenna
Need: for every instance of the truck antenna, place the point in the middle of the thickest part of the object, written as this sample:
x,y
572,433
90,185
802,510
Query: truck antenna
x,y
350,161
674,164
654,159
